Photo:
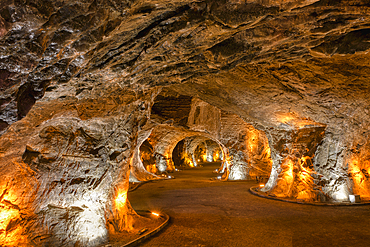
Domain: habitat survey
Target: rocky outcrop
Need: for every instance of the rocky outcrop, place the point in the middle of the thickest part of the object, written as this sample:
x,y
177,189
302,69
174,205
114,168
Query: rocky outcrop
x,y
247,148
82,76
72,169
292,152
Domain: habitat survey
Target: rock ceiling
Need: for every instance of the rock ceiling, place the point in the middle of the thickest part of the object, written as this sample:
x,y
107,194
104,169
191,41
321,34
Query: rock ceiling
x,y
252,57
78,80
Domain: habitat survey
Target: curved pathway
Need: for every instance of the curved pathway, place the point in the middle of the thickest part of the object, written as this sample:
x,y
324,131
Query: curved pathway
x,y
213,213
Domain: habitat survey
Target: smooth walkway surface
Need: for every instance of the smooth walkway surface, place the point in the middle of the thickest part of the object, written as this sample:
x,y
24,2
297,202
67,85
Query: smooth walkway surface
x,y
213,213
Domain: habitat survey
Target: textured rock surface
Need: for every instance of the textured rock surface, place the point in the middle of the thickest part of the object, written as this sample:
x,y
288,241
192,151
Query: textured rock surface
x,y
193,150
245,149
73,169
76,168
292,151
248,152
78,79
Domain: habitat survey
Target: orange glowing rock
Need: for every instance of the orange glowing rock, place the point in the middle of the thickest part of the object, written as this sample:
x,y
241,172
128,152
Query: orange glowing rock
x,y
204,157
285,118
121,199
216,155
359,171
286,179
6,216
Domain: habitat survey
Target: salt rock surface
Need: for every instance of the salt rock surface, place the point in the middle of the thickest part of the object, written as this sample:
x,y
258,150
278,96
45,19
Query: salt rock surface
x,y
78,79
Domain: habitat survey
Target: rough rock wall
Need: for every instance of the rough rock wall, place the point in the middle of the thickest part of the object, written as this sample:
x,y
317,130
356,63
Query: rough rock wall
x,y
73,167
251,58
191,144
212,147
314,64
292,151
147,157
204,117
138,171
247,148
344,165
192,147
359,167
46,43
172,108
185,154
164,139
179,156
168,127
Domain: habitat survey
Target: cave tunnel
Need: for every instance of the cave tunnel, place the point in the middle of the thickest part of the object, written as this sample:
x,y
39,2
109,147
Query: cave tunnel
x,y
106,105
191,152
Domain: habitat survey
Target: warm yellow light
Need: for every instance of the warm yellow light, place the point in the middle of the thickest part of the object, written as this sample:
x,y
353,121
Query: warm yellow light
x,y
358,177
357,168
191,164
302,195
204,157
252,141
285,118
151,168
305,185
290,174
268,151
155,214
188,160
216,155
121,198
262,185
5,216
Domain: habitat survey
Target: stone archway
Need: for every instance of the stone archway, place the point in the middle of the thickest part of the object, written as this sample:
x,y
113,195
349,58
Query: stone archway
x,y
78,81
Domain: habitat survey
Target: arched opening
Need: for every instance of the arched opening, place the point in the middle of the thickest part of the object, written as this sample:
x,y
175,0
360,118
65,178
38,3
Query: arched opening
x,y
147,157
178,157
193,151
95,94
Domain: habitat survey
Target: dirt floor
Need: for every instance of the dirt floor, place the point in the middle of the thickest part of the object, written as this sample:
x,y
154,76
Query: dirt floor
x,y
207,212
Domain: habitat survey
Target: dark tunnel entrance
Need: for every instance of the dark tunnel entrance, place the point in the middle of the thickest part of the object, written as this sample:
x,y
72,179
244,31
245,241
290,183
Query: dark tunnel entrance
x,y
196,151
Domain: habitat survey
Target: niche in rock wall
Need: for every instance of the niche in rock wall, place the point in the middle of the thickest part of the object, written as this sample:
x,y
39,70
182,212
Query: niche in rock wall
x,y
179,158
175,108
147,157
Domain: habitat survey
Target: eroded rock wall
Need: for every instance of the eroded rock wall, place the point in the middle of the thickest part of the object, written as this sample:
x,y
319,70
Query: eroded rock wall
x,y
254,59
46,43
293,151
66,168
248,149
204,117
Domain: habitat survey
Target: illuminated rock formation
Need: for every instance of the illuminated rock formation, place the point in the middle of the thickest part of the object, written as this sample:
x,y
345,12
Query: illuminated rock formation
x,y
79,81
293,148
64,172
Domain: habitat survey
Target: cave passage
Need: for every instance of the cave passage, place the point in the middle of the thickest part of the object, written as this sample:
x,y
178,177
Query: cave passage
x,y
192,152
207,212
97,94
